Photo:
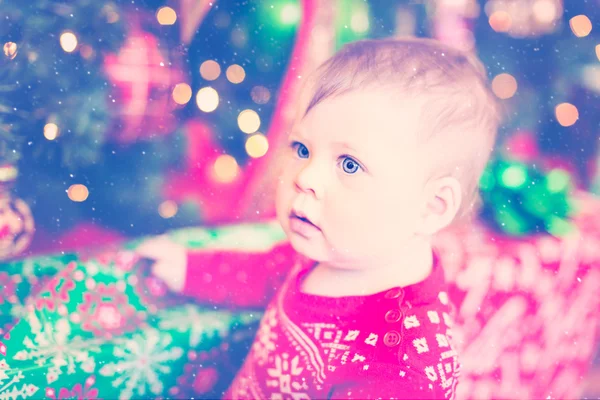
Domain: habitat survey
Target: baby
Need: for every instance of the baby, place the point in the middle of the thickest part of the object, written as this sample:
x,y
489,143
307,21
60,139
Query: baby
x,y
387,149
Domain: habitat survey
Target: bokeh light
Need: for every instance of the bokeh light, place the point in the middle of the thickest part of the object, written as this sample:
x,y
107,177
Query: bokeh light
x,y
166,16
559,226
514,176
239,37
51,131
225,168
257,146
68,41
10,50
557,180
598,51
566,114
260,94
167,209
207,99
235,73
290,14
222,19
359,22
500,21
109,10
504,86
248,121
182,93
86,51
580,25
545,11
78,192
210,70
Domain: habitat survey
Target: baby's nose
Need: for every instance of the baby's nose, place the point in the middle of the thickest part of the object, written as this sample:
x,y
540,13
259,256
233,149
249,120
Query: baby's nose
x,y
310,180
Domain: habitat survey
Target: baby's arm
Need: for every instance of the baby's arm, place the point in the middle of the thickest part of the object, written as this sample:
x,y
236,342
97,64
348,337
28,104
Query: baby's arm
x,y
221,276
238,278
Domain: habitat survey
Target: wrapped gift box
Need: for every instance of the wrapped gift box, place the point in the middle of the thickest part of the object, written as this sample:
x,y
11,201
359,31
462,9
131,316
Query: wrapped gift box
x,y
100,327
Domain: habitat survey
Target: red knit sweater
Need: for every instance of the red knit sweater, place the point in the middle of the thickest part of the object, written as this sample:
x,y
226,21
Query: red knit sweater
x,y
393,344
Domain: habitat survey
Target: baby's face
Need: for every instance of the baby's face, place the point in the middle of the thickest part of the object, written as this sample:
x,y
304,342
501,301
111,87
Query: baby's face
x,y
354,170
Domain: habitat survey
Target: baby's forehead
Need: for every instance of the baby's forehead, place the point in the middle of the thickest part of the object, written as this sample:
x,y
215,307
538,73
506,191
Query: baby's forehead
x,y
371,114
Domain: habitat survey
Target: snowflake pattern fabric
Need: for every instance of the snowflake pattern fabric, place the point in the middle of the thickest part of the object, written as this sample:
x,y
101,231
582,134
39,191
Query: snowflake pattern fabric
x,y
87,333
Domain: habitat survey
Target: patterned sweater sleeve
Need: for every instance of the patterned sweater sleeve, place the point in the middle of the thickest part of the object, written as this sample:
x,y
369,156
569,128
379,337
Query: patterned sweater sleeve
x,y
237,278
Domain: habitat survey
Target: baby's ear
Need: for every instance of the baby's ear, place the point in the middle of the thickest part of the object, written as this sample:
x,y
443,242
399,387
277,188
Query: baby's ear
x,y
442,199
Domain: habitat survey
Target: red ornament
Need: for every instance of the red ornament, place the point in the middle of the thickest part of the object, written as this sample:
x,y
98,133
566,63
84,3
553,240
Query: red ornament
x,y
16,226
16,221
144,77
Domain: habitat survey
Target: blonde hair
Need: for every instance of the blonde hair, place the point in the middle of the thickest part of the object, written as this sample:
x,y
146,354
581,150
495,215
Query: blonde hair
x,y
459,111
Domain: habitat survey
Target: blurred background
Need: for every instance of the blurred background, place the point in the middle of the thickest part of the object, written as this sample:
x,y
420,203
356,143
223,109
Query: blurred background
x,y
123,118
126,118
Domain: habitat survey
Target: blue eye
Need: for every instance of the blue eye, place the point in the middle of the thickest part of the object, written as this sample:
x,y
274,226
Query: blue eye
x,y
301,149
350,166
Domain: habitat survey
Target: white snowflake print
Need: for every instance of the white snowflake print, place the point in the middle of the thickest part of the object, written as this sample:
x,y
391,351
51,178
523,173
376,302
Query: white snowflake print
x,y
9,388
442,340
421,345
447,320
372,339
411,322
52,345
446,380
286,373
430,371
434,317
443,297
140,363
448,368
264,344
200,323
335,349
352,335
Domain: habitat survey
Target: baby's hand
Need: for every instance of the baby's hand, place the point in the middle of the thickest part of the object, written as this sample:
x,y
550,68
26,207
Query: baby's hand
x,y
170,260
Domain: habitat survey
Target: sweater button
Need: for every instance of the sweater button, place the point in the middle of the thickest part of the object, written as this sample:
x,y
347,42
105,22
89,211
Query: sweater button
x,y
393,316
393,293
391,339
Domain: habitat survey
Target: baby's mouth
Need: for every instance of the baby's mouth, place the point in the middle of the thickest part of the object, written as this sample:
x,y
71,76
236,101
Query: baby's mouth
x,y
303,219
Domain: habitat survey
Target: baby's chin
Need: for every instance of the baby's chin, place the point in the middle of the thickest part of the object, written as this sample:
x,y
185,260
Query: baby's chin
x,y
309,250
320,253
